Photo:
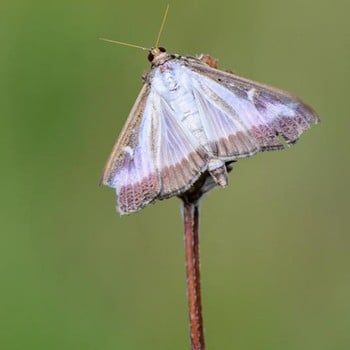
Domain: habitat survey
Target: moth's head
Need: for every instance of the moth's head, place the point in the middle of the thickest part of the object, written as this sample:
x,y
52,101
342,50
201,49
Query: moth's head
x,y
155,53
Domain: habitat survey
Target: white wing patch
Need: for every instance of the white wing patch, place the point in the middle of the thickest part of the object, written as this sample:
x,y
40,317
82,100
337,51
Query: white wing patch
x,y
228,138
180,158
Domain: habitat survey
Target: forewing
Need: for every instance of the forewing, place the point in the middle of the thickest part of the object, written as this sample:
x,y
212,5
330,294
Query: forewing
x,y
131,168
181,159
242,117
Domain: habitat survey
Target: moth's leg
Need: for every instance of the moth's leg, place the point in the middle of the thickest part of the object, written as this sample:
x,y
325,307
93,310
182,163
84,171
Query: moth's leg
x,y
218,171
220,176
145,76
210,61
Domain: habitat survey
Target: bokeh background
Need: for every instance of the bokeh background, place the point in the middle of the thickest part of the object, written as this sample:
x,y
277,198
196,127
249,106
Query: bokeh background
x,y
274,244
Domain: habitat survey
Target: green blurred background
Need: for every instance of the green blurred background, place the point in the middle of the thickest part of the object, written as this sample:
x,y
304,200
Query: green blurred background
x,y
274,245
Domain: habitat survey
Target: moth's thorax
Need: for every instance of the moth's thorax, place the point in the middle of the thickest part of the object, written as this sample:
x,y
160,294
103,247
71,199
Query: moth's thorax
x,y
172,82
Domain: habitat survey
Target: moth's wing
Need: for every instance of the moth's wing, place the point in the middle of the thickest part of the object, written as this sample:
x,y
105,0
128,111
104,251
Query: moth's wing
x,y
131,167
154,157
241,117
180,159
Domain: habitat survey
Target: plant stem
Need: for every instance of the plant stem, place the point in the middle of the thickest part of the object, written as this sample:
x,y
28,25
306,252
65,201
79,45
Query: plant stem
x,y
191,237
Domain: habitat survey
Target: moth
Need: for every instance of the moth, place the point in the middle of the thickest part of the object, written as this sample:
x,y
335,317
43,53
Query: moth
x,y
190,122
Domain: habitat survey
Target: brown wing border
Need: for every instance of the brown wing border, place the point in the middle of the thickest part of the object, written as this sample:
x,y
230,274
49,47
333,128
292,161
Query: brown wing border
x,y
133,120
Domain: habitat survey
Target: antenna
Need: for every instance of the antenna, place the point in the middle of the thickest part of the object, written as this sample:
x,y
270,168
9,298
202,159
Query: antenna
x,y
141,47
125,44
162,25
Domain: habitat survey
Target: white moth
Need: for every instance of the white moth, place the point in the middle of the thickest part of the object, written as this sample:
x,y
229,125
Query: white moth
x,y
190,122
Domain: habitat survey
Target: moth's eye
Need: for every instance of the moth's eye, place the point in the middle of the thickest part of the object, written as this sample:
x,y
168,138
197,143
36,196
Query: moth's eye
x,y
161,49
150,56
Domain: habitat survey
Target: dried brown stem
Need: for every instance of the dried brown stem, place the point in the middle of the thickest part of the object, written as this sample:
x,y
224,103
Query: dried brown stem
x,y
191,237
